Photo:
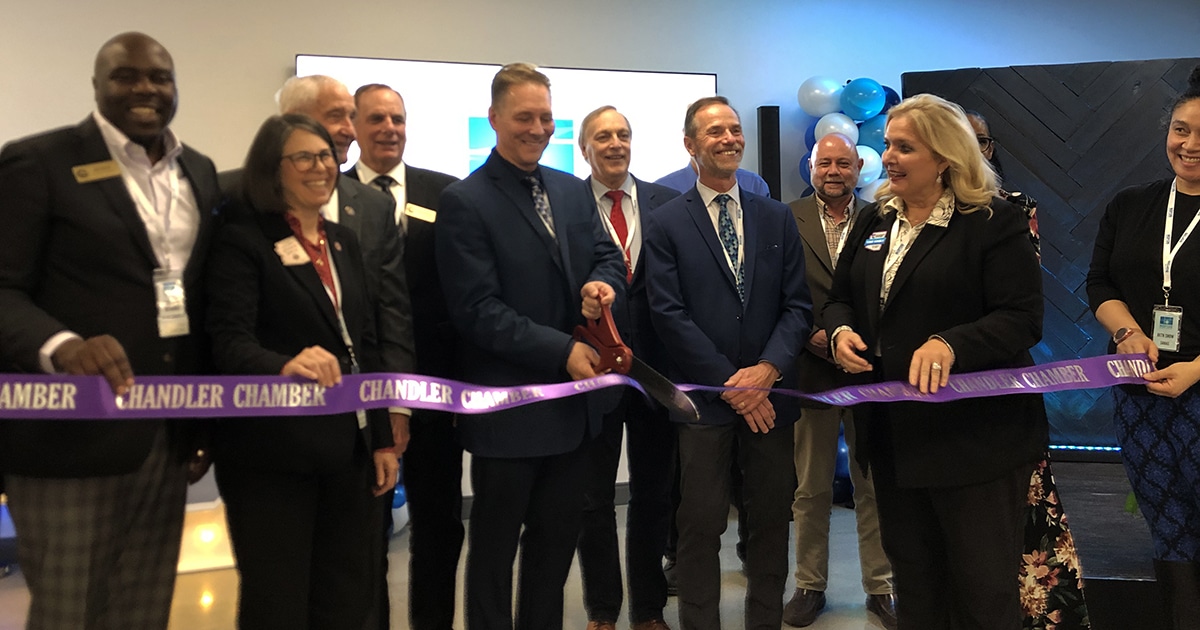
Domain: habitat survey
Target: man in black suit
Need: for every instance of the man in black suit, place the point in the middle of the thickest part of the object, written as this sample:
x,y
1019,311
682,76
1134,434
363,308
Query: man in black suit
x,y
432,468
623,202
98,218
518,246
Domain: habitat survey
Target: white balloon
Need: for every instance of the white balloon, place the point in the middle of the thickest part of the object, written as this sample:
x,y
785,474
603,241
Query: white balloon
x,y
819,96
872,165
867,192
837,123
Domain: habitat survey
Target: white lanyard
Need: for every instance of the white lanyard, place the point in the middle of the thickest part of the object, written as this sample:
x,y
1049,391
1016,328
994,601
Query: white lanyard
x,y
837,253
1168,251
630,228
148,209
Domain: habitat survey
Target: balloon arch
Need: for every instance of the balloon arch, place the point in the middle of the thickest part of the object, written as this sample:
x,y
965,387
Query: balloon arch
x,y
858,110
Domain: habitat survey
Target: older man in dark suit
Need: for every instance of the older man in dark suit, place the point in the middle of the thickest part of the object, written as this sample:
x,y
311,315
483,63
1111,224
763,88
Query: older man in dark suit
x,y
725,280
433,465
518,246
98,219
624,202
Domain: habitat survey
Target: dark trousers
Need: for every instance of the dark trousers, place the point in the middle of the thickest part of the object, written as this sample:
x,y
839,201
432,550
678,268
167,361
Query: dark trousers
x,y
706,454
651,455
305,545
432,467
533,504
955,551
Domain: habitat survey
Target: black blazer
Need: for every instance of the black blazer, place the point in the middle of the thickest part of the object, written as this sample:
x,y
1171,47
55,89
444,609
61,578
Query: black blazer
x,y
76,257
436,342
977,283
261,314
513,294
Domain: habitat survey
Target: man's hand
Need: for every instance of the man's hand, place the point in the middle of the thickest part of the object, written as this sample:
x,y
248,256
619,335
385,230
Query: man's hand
x,y
400,433
596,294
761,377
100,355
387,467
315,363
848,342
582,362
761,418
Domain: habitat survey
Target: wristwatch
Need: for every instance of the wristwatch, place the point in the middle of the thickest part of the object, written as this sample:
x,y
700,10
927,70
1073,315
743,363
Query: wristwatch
x,y
1122,334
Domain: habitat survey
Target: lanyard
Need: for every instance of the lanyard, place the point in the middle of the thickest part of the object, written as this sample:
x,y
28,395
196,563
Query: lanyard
x,y
630,228
1168,251
850,215
149,210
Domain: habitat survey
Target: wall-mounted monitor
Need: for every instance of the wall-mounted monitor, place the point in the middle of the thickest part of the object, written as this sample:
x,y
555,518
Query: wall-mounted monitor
x,y
447,106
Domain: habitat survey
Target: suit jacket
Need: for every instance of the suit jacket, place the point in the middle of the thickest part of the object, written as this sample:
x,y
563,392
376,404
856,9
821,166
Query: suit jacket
x,y
261,314
436,341
370,214
76,257
816,372
513,293
708,331
977,284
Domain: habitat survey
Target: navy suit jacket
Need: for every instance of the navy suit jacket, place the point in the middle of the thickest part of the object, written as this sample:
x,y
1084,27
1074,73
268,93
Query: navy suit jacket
x,y
513,293
76,256
709,333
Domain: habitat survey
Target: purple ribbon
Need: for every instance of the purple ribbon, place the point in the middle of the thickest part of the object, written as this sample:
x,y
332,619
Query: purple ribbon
x,y
58,397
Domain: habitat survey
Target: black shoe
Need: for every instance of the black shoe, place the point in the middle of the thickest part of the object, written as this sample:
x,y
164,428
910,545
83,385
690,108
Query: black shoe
x,y
1179,583
803,608
884,607
669,573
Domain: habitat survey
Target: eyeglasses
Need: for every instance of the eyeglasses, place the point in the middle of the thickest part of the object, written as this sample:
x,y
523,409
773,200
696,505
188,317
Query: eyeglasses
x,y
985,142
306,161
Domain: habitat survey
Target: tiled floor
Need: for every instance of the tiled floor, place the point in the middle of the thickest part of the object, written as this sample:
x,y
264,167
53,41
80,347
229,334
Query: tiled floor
x,y
207,600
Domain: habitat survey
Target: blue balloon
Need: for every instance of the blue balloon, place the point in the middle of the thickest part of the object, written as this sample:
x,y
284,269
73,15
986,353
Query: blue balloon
x,y
805,172
870,133
810,134
891,98
863,98
842,467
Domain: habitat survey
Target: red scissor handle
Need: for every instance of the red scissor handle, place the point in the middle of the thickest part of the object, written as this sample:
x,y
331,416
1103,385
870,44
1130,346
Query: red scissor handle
x,y
602,335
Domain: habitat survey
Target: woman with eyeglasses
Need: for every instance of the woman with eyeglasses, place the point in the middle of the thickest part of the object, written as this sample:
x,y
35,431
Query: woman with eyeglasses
x,y
1050,575
287,296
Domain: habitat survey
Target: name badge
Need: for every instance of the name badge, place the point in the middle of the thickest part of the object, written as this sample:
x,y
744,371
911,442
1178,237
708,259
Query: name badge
x,y
291,253
172,303
420,213
1167,320
875,241
96,171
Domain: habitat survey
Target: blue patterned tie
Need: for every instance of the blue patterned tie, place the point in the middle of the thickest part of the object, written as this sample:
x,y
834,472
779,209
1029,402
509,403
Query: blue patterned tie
x,y
730,240
541,203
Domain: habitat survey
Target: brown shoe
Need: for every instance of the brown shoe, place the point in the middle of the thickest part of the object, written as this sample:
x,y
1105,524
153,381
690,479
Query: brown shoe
x,y
803,608
884,607
653,624
601,625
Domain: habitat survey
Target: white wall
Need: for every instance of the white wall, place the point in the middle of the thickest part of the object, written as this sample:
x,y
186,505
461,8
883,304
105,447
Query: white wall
x,y
231,56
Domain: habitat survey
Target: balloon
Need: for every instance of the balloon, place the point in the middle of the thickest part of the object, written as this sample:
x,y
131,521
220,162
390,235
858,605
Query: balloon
x,y
837,123
810,134
863,98
872,165
819,96
867,193
805,168
870,133
890,98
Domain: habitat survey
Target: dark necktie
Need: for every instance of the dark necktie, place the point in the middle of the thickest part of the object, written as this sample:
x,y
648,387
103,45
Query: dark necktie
x,y
541,203
384,183
617,217
730,240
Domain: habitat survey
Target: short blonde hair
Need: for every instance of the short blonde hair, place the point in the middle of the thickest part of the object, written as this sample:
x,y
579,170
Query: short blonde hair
x,y
515,74
944,127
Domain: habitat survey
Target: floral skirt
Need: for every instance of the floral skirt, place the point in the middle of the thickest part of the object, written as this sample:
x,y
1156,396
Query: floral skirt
x,y
1050,577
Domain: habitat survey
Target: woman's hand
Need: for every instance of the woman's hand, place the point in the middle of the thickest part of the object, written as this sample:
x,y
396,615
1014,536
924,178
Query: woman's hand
x,y
1173,380
315,363
1139,343
849,344
930,367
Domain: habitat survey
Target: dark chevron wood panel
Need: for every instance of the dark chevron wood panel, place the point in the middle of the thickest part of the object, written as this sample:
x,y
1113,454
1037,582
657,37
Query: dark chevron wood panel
x,y
1071,136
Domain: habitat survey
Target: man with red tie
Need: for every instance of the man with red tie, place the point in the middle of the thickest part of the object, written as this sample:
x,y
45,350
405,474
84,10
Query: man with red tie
x,y
622,201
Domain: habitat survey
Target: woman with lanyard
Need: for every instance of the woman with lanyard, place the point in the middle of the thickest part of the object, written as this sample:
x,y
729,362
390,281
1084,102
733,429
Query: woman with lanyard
x,y
1144,288
287,296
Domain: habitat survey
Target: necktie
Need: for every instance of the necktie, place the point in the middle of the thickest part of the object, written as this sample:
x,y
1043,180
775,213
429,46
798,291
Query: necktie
x,y
730,240
541,203
617,217
384,184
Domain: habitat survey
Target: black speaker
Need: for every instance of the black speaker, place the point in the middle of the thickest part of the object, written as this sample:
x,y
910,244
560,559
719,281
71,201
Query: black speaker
x,y
768,148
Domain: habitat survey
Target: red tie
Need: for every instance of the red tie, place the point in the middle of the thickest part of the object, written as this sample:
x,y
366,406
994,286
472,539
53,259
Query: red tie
x,y
617,217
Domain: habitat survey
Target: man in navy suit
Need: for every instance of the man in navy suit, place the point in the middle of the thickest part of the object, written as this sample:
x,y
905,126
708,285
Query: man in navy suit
x,y
519,247
727,294
624,202
98,219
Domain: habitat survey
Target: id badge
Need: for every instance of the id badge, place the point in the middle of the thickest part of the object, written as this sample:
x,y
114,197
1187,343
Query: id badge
x,y
172,303
1167,320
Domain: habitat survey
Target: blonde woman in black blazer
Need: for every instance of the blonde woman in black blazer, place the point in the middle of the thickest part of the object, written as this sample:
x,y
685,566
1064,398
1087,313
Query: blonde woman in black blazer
x,y
963,294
